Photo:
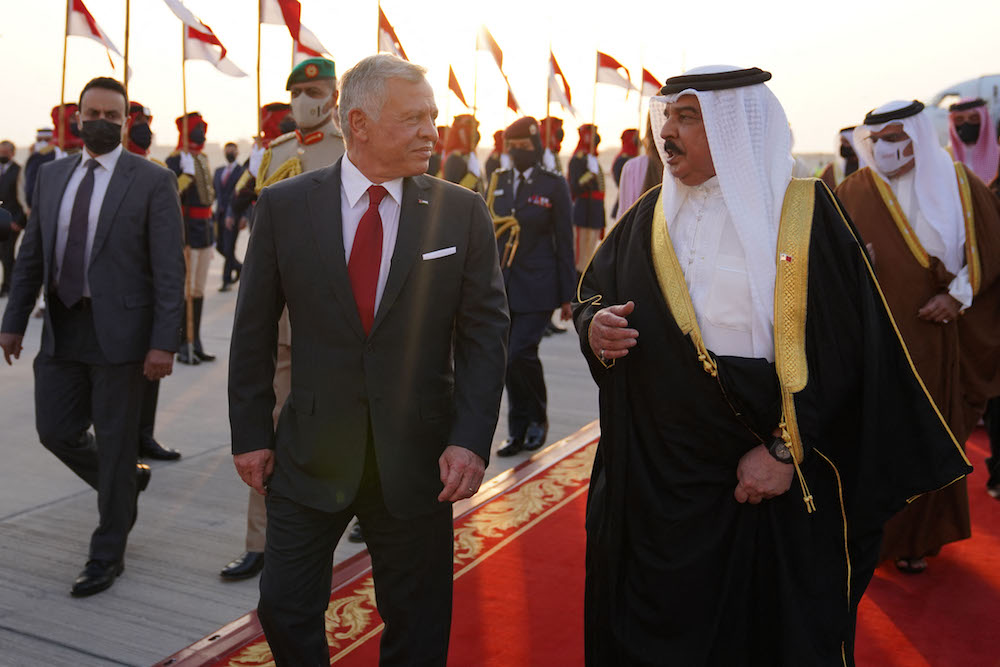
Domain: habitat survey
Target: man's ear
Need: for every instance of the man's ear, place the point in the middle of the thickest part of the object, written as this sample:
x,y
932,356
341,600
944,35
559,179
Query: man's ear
x,y
359,124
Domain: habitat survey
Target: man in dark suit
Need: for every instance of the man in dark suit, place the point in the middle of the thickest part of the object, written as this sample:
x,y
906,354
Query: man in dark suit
x,y
533,217
225,220
104,241
397,305
12,200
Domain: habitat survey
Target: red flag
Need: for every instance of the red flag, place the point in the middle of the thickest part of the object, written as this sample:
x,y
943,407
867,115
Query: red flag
x,y
200,41
282,12
455,88
609,71
485,42
559,86
387,40
511,101
650,86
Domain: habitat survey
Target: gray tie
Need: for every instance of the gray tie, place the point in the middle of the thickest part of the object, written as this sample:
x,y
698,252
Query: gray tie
x,y
74,256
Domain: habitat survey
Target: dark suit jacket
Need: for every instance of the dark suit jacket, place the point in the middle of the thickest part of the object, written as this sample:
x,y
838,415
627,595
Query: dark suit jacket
x,y
429,374
542,275
224,191
136,270
8,192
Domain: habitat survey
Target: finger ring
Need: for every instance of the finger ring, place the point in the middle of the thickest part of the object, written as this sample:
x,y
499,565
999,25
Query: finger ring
x,y
602,355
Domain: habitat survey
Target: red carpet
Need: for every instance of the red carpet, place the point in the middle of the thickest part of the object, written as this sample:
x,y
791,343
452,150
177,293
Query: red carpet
x,y
519,564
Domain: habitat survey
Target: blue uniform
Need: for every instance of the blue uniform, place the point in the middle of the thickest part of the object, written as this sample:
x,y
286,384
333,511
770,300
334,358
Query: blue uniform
x,y
539,276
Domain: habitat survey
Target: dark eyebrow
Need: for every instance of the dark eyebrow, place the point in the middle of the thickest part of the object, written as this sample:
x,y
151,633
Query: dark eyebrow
x,y
685,108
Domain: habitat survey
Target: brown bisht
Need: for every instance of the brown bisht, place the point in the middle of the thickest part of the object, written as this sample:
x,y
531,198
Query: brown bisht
x,y
678,572
958,361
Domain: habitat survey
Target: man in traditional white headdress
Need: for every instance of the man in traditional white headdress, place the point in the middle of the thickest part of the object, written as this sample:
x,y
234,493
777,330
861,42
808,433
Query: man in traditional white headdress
x,y
737,334
934,230
844,163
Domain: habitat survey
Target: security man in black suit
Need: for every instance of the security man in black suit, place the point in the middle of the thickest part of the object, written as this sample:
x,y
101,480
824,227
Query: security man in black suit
x,y
532,215
11,199
226,222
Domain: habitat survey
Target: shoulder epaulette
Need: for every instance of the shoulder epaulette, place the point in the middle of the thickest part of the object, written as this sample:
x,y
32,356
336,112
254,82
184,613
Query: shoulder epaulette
x,y
284,138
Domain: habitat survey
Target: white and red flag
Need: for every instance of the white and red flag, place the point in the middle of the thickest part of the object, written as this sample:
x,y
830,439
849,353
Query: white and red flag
x,y
308,45
485,42
650,86
282,12
81,23
455,88
559,86
511,100
610,71
200,43
387,40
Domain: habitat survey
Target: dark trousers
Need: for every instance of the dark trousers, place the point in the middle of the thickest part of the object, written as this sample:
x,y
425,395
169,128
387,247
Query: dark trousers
x,y
992,419
7,258
74,389
411,564
147,418
227,248
526,396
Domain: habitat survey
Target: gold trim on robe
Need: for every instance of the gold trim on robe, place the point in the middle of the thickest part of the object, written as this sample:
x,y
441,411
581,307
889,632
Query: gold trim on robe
x,y
968,217
896,212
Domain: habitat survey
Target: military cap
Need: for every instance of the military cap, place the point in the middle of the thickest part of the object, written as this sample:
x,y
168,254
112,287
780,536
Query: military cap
x,y
312,69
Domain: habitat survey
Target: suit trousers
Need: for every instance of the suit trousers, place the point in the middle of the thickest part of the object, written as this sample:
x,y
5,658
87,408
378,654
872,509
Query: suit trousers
x,y
227,248
76,388
526,394
7,257
147,420
411,565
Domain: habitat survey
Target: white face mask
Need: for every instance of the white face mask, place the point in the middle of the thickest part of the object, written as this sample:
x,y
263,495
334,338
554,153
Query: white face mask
x,y
889,156
308,111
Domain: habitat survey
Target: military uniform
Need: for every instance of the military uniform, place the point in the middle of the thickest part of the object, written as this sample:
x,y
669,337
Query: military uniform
x,y
460,164
586,184
71,145
286,156
552,135
531,213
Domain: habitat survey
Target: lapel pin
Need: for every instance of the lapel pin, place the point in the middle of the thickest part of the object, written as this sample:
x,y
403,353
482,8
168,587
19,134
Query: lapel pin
x,y
422,201
786,258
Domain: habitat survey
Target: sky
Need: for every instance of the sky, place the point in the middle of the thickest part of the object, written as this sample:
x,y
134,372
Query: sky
x,y
831,62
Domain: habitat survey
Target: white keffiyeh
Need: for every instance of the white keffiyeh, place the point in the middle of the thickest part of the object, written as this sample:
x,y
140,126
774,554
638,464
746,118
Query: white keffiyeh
x,y
750,141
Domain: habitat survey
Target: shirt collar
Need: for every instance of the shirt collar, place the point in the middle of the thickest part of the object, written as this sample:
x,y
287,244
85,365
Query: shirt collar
x,y
108,160
356,184
526,174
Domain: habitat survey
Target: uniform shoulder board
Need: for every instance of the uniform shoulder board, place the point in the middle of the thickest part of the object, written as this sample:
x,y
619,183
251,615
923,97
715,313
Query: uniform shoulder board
x,y
174,153
283,139
551,171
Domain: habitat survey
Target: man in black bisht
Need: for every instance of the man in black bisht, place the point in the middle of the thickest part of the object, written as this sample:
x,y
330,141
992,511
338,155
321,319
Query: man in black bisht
x,y
740,341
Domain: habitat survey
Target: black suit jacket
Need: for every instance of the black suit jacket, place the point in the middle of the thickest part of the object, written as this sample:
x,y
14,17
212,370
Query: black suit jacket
x,y
224,191
136,270
430,373
542,275
8,192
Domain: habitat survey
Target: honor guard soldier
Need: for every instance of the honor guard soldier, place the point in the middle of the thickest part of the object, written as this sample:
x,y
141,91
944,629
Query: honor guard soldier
x,y
460,162
434,164
69,144
315,144
531,213
586,184
138,135
194,180
498,159
551,129
275,120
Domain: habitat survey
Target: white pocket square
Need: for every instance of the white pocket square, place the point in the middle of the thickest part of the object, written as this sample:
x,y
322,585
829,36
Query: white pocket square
x,y
437,254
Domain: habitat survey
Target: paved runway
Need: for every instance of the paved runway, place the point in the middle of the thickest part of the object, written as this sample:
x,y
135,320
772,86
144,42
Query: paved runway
x,y
191,519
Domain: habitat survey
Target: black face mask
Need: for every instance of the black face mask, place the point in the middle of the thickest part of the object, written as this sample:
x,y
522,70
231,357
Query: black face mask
x,y
4,159
523,158
141,136
847,152
287,124
230,157
968,133
100,136
197,136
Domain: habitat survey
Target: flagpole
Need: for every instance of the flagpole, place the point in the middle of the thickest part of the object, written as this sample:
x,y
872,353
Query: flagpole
x,y
378,29
128,14
188,304
593,109
61,129
260,121
548,82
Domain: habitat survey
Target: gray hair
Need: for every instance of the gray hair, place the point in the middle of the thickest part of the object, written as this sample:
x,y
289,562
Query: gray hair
x,y
363,86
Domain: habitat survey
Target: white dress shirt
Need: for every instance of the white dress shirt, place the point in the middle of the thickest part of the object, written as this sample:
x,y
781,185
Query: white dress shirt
x,y
906,194
102,177
715,270
353,204
521,177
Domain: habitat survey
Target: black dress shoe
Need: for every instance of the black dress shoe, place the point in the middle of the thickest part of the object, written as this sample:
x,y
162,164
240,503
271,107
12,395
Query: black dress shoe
x,y
534,436
355,534
511,446
96,577
203,356
244,566
151,449
225,287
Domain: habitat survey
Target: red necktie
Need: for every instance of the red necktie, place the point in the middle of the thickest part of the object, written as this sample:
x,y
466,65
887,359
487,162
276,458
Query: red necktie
x,y
366,258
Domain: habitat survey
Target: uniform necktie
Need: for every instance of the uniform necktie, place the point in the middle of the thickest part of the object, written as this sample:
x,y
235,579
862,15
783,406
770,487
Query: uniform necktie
x,y
366,258
74,256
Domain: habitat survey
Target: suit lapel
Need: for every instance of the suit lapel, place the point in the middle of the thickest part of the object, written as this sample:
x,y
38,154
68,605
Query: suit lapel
x,y
412,221
323,202
118,186
63,171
